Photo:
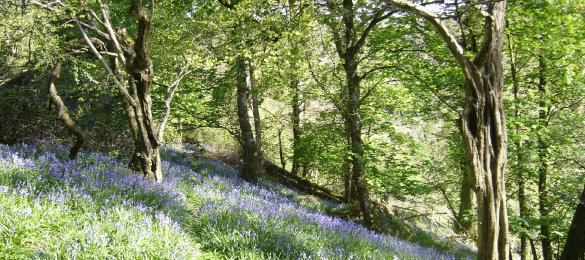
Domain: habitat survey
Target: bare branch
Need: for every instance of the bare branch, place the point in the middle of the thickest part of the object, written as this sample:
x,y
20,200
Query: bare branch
x,y
106,16
170,92
78,52
96,30
94,15
122,89
47,6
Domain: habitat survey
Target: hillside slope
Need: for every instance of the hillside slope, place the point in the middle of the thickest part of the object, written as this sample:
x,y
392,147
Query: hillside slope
x,y
94,208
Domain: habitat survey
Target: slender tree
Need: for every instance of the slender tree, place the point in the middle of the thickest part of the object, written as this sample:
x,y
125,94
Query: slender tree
x,y
250,149
348,43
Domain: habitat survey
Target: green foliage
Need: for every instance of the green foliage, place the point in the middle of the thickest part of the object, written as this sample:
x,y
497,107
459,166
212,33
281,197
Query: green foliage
x,y
545,119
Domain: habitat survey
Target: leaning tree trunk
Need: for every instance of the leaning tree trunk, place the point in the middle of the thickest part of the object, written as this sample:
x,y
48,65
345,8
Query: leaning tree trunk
x,y
250,149
574,247
63,112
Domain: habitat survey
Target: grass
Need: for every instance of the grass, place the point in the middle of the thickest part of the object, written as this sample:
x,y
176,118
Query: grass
x,y
94,208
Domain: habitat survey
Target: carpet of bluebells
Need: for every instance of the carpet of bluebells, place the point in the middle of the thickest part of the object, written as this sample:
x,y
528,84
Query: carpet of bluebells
x,y
95,208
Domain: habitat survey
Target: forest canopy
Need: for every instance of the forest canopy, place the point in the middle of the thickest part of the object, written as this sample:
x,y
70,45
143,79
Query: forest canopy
x,y
470,109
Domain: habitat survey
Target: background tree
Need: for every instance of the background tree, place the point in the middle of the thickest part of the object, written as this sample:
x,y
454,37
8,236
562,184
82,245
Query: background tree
x,y
543,62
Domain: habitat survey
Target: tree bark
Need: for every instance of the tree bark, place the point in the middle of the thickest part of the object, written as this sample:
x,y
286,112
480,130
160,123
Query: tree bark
x,y
256,110
574,246
466,203
543,206
347,171
357,145
348,45
351,194
281,150
250,149
139,67
483,125
533,247
296,125
63,111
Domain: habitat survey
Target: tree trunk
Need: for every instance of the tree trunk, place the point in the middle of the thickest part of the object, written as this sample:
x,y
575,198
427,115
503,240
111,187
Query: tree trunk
x,y
350,194
169,97
136,96
574,247
256,110
63,112
543,206
483,124
348,183
300,183
466,203
296,124
533,247
485,140
306,170
521,182
523,214
348,46
484,133
139,67
281,150
357,147
250,150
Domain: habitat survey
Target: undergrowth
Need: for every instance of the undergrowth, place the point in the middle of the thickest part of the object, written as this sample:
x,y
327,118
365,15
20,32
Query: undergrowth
x,y
95,208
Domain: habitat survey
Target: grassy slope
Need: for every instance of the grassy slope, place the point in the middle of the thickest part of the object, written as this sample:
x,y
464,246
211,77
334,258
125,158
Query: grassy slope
x,y
94,208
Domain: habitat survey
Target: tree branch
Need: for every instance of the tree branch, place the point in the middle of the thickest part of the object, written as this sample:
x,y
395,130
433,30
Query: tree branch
x,y
170,92
122,89
376,69
452,43
96,30
430,88
378,17
236,136
106,15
